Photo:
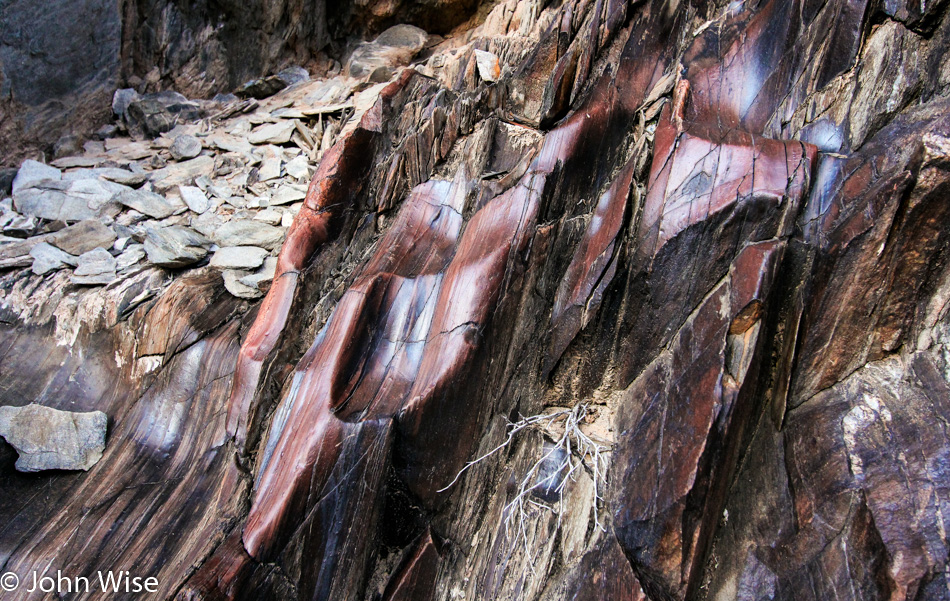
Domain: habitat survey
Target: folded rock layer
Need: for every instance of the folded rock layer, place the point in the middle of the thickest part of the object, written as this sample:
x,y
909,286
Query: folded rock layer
x,y
654,308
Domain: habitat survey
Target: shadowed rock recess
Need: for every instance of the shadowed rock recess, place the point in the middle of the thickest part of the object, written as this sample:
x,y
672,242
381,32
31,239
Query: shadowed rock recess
x,y
586,300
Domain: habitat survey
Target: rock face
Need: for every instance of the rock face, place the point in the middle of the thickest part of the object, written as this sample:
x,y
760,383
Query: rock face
x,y
49,439
594,300
393,48
59,63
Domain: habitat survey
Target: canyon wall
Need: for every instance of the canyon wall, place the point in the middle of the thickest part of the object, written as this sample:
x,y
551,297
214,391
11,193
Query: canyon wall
x,y
584,300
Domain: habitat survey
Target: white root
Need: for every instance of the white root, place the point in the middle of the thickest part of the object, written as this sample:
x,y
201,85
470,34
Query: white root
x,y
580,451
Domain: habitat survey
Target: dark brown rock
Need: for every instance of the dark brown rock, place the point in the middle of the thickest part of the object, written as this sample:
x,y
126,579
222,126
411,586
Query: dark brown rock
x,y
656,311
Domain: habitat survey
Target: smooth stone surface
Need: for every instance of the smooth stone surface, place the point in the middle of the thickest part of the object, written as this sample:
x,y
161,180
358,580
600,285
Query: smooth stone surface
x,y
272,133
32,172
194,198
130,256
69,200
95,267
50,439
286,195
238,257
233,284
185,147
83,237
488,67
246,232
147,203
47,258
175,246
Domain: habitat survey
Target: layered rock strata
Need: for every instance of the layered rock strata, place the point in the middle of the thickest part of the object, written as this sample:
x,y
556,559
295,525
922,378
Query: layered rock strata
x,y
713,230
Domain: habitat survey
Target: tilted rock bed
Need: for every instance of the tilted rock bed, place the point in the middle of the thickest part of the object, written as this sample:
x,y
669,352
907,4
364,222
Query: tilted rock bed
x,y
696,252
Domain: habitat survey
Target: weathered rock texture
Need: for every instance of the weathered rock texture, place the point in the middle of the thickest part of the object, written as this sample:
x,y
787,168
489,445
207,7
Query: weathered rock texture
x,y
49,439
715,230
59,63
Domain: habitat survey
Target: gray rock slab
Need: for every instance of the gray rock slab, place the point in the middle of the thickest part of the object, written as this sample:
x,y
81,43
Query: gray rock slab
x,y
32,172
69,201
247,232
47,258
185,147
272,133
175,246
147,203
194,198
50,439
83,237
239,257
95,267
233,284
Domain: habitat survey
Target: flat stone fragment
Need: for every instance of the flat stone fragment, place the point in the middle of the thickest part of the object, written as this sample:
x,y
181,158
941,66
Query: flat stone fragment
x,y
32,172
298,168
194,198
122,176
130,256
83,237
185,147
263,275
47,258
269,216
95,267
287,194
59,200
270,166
239,257
175,246
488,67
160,112
147,203
272,133
246,232
50,439
234,285
183,173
